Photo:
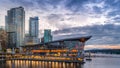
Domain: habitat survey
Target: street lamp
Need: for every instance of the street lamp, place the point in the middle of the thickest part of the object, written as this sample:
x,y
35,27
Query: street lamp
x,y
0,46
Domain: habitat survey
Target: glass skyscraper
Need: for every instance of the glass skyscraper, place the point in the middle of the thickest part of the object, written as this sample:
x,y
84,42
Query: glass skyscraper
x,y
34,30
15,26
34,26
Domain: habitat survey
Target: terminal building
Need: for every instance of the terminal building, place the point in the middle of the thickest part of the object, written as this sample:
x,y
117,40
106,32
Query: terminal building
x,y
71,49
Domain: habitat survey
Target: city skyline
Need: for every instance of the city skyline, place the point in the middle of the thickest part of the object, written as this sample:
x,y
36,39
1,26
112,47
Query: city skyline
x,y
100,18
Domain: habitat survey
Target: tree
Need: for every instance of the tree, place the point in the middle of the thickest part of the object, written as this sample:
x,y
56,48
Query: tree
x,y
3,39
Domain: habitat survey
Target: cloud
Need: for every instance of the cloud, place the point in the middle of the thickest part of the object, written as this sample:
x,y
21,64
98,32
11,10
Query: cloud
x,y
57,20
75,5
73,13
89,17
99,18
101,34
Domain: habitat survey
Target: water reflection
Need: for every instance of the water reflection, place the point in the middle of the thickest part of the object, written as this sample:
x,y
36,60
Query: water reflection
x,y
37,64
98,62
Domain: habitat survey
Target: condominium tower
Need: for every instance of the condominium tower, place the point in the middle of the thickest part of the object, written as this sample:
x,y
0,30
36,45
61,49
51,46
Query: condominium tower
x,y
15,26
34,30
33,26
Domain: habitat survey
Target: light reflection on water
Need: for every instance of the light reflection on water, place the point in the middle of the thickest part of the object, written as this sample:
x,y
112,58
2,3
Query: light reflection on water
x,y
95,63
38,64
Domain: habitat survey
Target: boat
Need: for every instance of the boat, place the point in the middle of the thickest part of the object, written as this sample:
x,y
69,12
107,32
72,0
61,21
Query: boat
x,y
89,57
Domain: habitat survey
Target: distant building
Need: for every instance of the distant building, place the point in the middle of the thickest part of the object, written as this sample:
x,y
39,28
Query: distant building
x,y
34,30
29,40
47,35
33,40
41,34
15,26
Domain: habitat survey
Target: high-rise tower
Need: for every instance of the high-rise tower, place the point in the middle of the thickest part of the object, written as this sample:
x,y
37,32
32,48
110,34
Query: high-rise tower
x,y
34,30
15,26
33,26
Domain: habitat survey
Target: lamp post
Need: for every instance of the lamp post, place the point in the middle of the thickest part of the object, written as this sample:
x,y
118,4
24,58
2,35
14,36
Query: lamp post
x,y
1,49
0,46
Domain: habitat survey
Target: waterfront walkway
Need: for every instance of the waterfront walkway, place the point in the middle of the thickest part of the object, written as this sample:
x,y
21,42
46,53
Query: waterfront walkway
x,y
48,60
42,58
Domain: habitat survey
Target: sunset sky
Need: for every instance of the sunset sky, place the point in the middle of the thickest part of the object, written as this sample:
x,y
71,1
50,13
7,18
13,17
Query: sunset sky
x,y
99,18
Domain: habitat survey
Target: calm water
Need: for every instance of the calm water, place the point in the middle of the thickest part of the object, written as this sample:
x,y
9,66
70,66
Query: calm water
x,y
95,63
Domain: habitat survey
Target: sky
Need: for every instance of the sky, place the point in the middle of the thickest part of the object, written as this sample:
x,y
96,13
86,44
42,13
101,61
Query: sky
x,y
99,18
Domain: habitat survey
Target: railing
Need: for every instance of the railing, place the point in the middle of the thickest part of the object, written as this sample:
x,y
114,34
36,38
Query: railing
x,y
41,58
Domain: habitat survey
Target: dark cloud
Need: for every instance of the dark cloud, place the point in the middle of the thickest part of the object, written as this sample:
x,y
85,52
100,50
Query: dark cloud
x,y
52,2
117,19
55,3
72,5
75,5
101,34
26,3
112,3
37,4
114,13
97,10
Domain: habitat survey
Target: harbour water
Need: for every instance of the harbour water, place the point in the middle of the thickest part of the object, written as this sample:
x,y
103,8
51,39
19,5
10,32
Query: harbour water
x,y
98,62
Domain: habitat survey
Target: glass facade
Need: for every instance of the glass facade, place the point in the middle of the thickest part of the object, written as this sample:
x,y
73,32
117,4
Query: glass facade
x,y
47,35
69,44
34,26
15,23
12,39
34,30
